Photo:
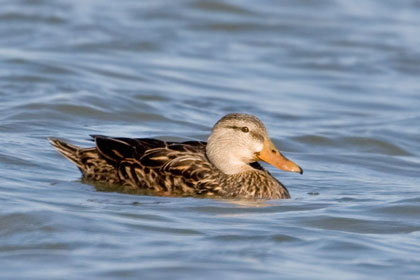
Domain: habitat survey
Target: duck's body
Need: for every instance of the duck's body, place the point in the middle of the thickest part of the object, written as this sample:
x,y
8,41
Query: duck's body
x,y
188,168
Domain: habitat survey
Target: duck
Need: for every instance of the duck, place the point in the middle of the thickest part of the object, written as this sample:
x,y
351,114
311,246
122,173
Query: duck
x,y
226,166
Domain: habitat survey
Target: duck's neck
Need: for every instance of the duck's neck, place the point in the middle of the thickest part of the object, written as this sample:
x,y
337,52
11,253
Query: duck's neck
x,y
226,161
257,184
230,167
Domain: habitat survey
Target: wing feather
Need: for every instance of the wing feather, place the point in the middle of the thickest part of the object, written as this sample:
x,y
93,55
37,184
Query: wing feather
x,y
160,165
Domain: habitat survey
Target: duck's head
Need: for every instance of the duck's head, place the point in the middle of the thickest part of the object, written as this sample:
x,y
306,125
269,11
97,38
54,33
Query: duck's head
x,y
240,139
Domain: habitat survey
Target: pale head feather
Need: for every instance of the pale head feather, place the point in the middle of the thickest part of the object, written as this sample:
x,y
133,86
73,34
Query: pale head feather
x,y
231,149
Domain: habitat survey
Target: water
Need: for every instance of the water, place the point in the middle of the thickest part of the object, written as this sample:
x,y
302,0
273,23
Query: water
x,y
336,82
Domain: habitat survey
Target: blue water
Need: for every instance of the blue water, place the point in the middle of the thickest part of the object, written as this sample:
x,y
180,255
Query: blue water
x,y
335,82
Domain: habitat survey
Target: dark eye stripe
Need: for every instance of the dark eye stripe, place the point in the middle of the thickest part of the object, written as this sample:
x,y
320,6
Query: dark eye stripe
x,y
257,136
253,134
243,128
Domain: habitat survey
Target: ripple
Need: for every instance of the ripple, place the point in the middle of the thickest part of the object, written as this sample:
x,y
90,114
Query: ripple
x,y
351,143
214,6
407,209
361,225
21,17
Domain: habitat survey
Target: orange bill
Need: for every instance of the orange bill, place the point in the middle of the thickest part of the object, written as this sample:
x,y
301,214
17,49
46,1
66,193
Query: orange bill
x,y
271,155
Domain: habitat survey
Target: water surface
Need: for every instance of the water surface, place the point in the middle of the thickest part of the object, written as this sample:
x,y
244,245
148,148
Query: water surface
x,y
335,82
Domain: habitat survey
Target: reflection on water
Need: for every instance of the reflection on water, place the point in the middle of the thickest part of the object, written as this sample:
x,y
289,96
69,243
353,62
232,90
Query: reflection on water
x,y
335,82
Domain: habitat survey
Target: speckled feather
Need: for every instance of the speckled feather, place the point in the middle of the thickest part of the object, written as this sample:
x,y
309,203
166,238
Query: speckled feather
x,y
167,168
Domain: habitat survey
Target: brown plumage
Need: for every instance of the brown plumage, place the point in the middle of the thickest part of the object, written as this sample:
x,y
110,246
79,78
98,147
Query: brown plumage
x,y
225,167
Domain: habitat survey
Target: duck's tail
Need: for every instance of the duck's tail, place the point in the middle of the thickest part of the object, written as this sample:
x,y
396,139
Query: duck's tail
x,y
69,151
88,160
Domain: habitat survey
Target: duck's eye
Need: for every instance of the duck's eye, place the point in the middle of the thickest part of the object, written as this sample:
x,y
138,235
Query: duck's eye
x,y
245,129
